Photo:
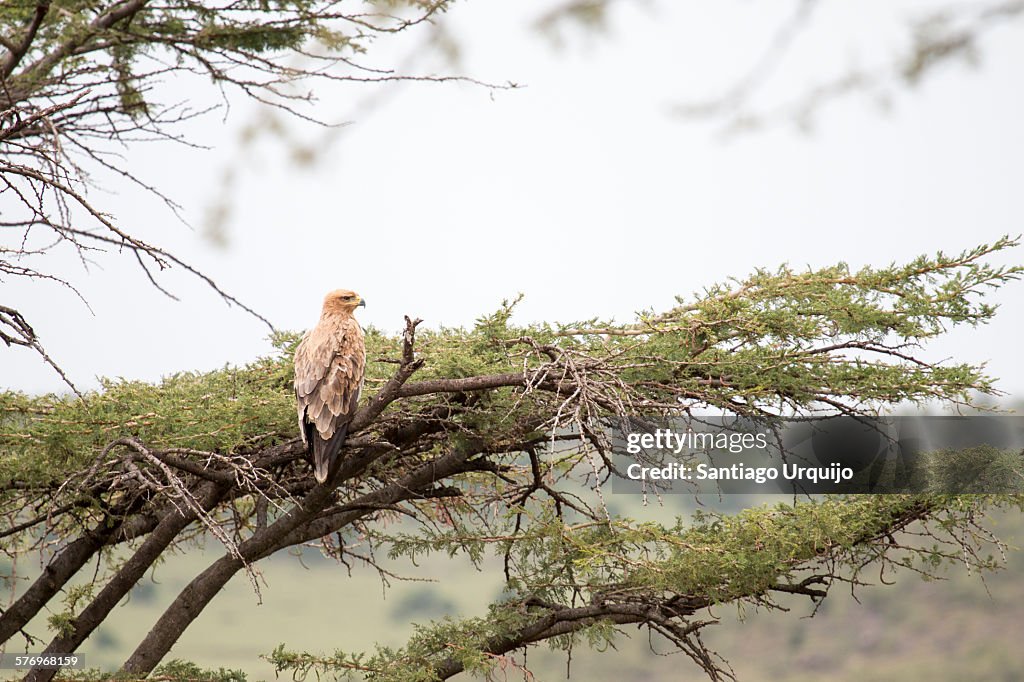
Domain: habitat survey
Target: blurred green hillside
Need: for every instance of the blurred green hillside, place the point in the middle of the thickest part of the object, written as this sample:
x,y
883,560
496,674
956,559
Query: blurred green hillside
x,y
960,628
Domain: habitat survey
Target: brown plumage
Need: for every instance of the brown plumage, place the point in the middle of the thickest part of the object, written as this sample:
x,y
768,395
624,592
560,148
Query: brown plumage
x,y
329,364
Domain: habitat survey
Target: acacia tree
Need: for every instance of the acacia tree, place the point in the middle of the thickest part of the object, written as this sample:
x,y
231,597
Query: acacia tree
x,y
489,437
485,437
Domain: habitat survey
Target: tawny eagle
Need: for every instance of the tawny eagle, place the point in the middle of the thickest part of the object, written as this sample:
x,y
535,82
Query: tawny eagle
x,y
329,364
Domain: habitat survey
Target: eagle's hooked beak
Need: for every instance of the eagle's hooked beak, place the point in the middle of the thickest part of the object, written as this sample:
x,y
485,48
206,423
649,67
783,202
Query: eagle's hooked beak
x,y
362,303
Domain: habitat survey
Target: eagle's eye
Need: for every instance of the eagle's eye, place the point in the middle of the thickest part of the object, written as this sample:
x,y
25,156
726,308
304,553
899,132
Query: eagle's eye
x,y
347,298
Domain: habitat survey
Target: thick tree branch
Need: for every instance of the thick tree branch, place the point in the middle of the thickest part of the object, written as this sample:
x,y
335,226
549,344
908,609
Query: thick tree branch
x,y
16,52
57,572
124,9
127,576
296,527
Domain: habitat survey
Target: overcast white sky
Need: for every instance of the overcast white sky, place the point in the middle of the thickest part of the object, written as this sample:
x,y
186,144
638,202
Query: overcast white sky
x,y
580,190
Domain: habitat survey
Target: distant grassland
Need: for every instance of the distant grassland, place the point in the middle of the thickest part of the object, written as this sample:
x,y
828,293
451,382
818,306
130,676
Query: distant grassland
x,y
958,629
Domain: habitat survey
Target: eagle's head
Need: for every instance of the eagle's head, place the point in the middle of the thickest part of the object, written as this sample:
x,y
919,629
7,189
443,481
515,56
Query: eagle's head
x,y
342,301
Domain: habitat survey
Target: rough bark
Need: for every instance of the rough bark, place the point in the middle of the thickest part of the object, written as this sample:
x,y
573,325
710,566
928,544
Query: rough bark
x,y
66,563
121,584
298,526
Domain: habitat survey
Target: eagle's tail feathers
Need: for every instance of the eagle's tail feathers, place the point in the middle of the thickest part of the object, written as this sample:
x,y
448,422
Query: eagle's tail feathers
x,y
325,452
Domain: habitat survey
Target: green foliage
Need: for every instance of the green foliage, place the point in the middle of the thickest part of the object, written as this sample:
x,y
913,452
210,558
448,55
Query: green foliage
x,y
250,27
713,558
978,468
755,342
172,671
54,436
724,557
463,640
63,622
183,670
